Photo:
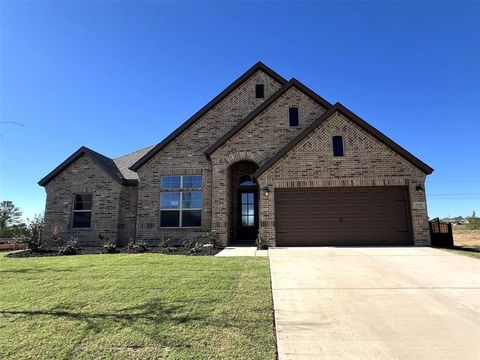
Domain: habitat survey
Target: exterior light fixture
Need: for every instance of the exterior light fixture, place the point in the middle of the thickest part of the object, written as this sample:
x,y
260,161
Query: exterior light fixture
x,y
419,188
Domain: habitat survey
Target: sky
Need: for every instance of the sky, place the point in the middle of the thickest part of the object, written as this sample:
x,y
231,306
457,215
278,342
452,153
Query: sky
x,y
118,76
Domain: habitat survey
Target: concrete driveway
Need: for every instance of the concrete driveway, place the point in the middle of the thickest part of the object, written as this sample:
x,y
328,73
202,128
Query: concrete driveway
x,y
375,303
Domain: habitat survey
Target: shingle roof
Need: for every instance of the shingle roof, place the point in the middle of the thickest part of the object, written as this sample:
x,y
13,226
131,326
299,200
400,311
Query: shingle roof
x,y
206,108
124,162
117,168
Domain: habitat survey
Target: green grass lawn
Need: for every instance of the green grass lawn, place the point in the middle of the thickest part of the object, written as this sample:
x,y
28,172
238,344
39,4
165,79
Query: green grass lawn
x,y
145,306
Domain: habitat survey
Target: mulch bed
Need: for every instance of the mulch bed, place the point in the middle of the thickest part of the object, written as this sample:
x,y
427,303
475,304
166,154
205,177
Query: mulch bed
x,y
11,246
179,250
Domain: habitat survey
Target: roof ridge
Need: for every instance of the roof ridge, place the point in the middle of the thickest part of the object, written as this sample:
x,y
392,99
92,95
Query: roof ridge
x,y
133,152
229,89
103,161
358,121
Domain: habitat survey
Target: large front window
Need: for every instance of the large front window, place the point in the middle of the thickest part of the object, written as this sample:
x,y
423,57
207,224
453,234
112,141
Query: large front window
x,y
181,201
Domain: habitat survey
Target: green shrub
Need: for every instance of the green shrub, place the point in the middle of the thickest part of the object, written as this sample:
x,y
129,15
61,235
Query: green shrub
x,y
473,222
137,246
194,246
260,242
70,248
213,238
31,234
165,243
110,246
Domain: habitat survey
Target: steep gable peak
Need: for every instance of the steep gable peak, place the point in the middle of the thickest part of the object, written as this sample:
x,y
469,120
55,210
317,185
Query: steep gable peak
x,y
259,66
291,83
104,162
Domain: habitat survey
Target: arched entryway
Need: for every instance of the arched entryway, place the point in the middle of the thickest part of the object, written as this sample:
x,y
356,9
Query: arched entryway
x,y
244,202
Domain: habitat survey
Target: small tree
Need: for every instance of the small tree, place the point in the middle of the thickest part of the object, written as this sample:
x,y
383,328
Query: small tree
x,y
10,215
260,241
473,222
31,235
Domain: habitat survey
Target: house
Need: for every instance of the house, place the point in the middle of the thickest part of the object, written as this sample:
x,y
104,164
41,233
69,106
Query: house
x,y
266,155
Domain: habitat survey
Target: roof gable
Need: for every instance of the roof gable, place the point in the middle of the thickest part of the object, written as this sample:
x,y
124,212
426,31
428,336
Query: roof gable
x,y
104,162
292,83
358,121
258,66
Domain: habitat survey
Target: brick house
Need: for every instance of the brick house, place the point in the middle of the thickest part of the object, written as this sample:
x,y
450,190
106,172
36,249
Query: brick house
x,y
266,155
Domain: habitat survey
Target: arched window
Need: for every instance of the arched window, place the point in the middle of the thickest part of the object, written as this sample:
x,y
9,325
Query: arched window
x,y
246,181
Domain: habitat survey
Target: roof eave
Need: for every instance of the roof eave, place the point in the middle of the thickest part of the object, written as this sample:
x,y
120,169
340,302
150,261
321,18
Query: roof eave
x,y
362,123
74,157
228,90
264,106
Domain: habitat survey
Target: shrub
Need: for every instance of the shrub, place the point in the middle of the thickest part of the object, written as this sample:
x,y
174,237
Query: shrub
x,y
473,222
137,247
213,238
70,248
31,234
260,242
165,243
193,246
110,246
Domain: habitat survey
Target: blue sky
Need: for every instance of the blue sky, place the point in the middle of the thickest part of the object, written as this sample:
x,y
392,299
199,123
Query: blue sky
x,y
117,76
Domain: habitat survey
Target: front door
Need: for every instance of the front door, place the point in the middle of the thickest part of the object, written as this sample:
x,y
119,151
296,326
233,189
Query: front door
x,y
248,214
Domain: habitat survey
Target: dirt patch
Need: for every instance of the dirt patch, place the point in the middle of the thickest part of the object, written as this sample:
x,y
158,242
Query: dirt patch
x,y
180,250
466,237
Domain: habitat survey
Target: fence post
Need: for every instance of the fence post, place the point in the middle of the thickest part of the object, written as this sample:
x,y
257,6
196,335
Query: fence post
x,y
450,235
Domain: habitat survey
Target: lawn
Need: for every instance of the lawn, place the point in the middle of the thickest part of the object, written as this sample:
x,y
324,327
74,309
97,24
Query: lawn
x,y
145,306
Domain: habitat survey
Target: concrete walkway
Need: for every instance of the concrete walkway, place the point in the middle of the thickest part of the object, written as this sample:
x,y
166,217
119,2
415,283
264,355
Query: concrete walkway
x,y
242,251
375,303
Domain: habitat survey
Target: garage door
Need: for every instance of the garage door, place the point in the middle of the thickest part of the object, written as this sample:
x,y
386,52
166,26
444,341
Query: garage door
x,y
342,216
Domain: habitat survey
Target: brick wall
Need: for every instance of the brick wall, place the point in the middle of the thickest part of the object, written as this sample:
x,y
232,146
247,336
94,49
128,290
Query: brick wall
x,y
259,140
83,176
186,156
367,162
122,213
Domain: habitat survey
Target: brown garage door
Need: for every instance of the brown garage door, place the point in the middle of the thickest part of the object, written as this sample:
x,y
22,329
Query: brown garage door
x,y
342,216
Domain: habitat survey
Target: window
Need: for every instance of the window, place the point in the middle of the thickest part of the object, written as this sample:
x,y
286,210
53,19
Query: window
x,y
246,181
181,201
337,146
248,209
82,211
293,116
259,91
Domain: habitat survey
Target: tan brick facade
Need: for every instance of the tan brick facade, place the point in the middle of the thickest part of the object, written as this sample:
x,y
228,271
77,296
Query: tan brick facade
x,y
113,206
186,156
367,162
125,209
257,142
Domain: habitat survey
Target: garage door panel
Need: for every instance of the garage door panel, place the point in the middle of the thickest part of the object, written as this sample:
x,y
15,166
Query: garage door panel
x,y
340,216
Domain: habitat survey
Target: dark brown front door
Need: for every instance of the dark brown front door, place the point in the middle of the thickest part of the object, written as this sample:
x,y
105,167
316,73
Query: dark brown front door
x,y
342,216
248,214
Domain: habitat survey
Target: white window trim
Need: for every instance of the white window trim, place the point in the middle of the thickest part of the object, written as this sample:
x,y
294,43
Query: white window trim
x,y
180,208
79,211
